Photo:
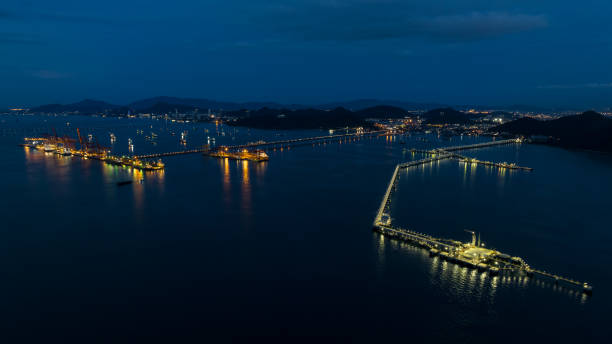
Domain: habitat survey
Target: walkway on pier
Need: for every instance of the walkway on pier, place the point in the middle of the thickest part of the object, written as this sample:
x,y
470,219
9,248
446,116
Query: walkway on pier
x,y
420,238
490,163
159,155
306,140
479,145
262,144
557,278
438,154
392,184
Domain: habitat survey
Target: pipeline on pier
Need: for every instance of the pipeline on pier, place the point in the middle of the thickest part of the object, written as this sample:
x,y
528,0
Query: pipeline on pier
x,y
263,144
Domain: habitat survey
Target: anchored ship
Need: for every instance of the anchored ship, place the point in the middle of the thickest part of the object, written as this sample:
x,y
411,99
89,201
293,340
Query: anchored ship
x,y
243,154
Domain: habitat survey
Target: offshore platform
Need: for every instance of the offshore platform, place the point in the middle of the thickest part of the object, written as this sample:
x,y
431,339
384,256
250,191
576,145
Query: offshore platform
x,y
472,254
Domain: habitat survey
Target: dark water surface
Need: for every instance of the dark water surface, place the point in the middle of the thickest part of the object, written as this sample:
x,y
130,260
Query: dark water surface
x,y
215,249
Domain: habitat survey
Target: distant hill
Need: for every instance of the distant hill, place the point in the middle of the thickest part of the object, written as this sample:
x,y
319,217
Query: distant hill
x,y
360,104
163,105
589,130
87,106
164,108
446,116
383,111
267,118
205,104
354,105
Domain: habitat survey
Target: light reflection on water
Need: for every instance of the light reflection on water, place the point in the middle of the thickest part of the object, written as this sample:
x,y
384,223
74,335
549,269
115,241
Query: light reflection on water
x,y
245,187
246,173
465,284
260,170
452,283
65,168
59,166
226,179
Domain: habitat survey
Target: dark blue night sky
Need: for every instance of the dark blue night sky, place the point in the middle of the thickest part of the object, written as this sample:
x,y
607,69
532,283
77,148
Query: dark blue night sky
x,y
542,52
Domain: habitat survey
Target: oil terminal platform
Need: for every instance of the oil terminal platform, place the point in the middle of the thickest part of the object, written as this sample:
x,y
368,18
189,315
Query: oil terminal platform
x,y
471,254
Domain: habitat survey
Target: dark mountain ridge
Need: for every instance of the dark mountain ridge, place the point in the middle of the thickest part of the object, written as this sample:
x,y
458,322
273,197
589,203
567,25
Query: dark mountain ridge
x,y
205,104
361,104
166,108
87,106
384,111
267,118
589,130
446,116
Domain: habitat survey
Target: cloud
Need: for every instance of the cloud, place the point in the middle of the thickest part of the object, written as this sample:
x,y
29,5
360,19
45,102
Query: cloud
x,y
73,18
48,74
477,25
366,20
7,38
456,28
5,15
16,19
58,17
576,86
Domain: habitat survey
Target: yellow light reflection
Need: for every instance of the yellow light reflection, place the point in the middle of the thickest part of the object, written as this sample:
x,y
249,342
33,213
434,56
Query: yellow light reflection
x,y
138,189
226,179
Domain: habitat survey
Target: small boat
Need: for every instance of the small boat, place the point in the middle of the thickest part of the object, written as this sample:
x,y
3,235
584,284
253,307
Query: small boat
x,y
49,147
125,182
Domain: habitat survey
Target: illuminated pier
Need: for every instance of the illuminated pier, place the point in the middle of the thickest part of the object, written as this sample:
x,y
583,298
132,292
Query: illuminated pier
x,y
307,140
184,152
510,166
271,144
480,145
473,254
65,147
381,215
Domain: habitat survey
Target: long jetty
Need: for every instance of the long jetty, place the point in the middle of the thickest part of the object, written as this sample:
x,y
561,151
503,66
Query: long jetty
x,y
183,152
467,160
479,145
262,144
306,140
424,240
438,154
449,249
448,152
392,183
496,164
385,202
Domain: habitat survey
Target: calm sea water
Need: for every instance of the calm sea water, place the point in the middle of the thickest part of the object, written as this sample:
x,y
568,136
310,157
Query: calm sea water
x,y
223,250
